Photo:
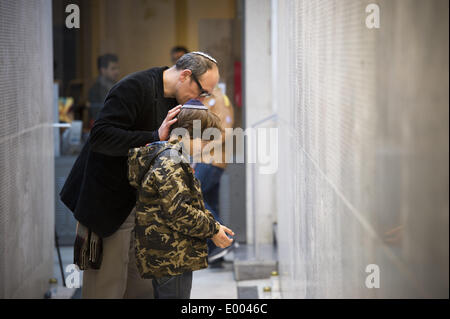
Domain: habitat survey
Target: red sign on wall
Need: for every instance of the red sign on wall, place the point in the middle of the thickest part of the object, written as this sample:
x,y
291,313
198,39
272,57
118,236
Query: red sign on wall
x,y
237,84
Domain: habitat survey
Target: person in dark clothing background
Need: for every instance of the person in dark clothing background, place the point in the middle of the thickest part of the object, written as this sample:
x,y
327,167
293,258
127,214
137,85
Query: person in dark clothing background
x,y
177,52
108,69
138,110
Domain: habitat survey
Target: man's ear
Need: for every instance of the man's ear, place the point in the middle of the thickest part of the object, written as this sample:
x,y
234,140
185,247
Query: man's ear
x,y
185,74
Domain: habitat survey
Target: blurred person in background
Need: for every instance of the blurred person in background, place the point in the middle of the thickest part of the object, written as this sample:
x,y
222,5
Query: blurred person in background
x,y
210,174
176,53
109,71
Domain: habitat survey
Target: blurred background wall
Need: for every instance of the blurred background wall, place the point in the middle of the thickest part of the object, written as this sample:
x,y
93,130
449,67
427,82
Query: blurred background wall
x,y
363,147
26,148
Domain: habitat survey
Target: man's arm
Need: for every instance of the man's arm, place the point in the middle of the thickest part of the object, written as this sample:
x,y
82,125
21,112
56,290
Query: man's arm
x,y
112,134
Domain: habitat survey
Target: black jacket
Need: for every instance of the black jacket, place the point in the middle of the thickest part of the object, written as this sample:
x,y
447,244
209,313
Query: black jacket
x,y
97,189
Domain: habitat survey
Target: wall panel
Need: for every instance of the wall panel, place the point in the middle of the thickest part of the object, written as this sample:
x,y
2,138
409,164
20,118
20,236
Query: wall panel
x,y
26,148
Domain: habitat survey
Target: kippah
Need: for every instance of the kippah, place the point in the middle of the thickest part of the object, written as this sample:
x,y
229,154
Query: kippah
x,y
194,104
205,56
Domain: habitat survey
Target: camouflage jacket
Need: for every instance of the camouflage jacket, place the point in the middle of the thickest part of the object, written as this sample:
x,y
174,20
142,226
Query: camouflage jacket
x,y
172,224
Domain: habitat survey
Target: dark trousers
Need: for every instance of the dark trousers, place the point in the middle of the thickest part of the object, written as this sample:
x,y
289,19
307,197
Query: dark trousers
x,y
173,287
209,177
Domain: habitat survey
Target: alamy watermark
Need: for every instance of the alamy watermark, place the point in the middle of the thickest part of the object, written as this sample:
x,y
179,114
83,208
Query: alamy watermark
x,y
214,146
73,19
73,280
373,19
373,279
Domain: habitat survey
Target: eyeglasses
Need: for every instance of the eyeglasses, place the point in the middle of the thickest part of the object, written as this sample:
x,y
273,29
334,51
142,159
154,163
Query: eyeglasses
x,y
203,93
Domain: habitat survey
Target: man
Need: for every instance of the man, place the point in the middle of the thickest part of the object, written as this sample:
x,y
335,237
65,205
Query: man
x,y
138,110
108,69
177,52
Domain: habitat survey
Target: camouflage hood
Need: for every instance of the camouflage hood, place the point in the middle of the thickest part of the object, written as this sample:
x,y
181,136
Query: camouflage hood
x,y
140,159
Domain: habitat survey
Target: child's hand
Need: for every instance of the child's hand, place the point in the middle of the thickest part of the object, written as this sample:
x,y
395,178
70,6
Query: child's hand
x,y
221,239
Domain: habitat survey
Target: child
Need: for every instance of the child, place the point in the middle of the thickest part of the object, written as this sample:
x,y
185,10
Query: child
x,y
172,224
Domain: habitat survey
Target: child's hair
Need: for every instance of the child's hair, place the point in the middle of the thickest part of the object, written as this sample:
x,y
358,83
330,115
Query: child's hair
x,y
186,119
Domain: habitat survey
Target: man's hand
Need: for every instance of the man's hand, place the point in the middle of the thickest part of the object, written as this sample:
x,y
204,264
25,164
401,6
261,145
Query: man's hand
x,y
221,239
164,129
